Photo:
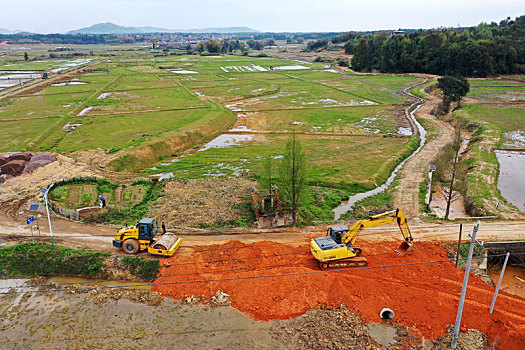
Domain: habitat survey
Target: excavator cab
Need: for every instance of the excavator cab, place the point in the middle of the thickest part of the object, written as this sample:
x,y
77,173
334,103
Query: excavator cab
x,y
337,233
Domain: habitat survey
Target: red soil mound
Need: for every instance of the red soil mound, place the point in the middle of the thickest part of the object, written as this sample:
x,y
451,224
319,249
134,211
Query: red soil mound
x,y
423,296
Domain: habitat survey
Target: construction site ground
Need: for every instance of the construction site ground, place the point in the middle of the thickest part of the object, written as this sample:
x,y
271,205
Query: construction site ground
x,y
276,289
132,319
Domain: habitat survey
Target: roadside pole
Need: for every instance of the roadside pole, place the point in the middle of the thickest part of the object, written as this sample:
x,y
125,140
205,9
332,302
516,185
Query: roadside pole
x,y
464,288
499,282
459,245
45,191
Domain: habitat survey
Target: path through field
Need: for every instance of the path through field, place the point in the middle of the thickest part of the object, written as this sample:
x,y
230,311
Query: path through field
x,y
406,194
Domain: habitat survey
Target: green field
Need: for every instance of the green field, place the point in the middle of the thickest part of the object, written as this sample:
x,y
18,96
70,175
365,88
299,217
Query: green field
x,y
496,125
496,90
154,114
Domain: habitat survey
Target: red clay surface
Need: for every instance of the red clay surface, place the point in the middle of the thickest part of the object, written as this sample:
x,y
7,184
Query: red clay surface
x,y
423,296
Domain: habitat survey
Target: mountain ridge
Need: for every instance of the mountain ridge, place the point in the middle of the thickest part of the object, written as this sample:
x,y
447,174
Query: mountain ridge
x,y
111,28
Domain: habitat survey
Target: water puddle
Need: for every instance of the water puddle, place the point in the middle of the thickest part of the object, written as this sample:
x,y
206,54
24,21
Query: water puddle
x,y
347,205
404,131
70,127
8,284
88,281
67,83
513,280
84,111
295,67
183,71
383,333
104,95
511,175
226,140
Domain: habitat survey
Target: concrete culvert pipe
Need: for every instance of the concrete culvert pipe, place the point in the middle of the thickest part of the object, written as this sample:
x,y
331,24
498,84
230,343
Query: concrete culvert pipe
x,y
386,314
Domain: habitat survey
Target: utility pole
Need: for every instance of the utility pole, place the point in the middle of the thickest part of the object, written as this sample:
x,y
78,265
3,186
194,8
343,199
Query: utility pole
x,y
499,282
464,288
459,245
45,191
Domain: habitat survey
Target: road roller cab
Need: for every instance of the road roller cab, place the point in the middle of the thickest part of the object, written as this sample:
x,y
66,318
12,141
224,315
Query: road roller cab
x,y
145,235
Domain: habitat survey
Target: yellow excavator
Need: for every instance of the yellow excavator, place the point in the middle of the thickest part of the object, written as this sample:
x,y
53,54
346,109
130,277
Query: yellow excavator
x,y
336,248
145,236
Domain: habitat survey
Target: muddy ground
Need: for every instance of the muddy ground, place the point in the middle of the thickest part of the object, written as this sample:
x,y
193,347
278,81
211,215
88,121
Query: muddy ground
x,y
132,320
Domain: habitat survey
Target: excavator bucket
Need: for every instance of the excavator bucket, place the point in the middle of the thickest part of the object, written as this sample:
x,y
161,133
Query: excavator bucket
x,y
406,246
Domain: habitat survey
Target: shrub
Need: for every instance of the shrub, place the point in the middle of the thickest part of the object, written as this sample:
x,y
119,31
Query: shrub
x,y
86,197
32,259
59,194
146,269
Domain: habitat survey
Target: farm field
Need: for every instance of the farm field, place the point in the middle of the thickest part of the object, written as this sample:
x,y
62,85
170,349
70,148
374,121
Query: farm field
x,y
496,108
195,117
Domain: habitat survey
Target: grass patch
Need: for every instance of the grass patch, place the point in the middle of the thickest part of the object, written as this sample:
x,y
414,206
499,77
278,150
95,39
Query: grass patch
x,y
318,205
32,259
146,269
377,204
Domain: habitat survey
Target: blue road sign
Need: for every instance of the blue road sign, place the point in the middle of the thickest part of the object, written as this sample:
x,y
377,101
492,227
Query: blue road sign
x,y
30,220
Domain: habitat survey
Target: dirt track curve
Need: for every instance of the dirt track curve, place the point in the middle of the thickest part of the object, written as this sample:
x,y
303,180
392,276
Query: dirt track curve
x,y
406,194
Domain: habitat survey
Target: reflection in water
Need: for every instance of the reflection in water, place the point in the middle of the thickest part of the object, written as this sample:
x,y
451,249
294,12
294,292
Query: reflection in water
x,y
511,177
513,280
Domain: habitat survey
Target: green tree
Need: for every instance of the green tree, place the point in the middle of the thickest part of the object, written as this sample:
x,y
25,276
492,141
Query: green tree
x,y
213,46
453,88
267,175
292,175
361,58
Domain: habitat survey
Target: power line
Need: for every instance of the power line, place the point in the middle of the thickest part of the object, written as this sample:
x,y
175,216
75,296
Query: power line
x,y
242,278
230,270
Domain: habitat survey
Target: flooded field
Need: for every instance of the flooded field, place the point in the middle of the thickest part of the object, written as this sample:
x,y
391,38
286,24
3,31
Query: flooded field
x,y
511,175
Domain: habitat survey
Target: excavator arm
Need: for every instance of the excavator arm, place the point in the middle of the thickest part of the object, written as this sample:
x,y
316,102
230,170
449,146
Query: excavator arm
x,y
336,249
380,219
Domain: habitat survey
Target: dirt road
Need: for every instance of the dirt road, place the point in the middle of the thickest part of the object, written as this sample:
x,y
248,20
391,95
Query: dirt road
x,y
406,193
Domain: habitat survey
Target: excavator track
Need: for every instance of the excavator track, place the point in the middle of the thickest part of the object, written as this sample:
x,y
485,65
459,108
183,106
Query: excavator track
x,y
357,261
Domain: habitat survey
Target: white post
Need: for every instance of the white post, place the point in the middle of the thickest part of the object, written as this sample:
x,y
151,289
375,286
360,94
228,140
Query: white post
x,y
48,218
499,282
464,288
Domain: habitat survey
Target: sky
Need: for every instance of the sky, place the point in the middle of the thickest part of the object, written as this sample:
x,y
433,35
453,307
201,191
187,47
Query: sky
x,y
58,16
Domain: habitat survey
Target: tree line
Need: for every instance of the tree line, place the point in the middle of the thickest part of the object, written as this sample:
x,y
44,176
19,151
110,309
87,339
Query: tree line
x,y
484,50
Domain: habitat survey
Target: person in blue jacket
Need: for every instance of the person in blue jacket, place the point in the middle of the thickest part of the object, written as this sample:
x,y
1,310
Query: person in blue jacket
x,y
102,202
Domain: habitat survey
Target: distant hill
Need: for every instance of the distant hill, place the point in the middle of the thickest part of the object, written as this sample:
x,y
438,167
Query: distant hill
x,y
106,28
7,31
110,28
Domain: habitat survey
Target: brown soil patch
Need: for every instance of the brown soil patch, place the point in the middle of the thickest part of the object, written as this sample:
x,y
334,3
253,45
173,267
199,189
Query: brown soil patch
x,y
201,201
423,296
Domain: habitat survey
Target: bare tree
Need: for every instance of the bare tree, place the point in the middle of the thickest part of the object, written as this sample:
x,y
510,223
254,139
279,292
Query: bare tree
x,y
448,171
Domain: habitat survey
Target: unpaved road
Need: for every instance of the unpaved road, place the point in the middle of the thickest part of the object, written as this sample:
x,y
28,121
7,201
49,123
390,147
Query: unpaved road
x,y
406,194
